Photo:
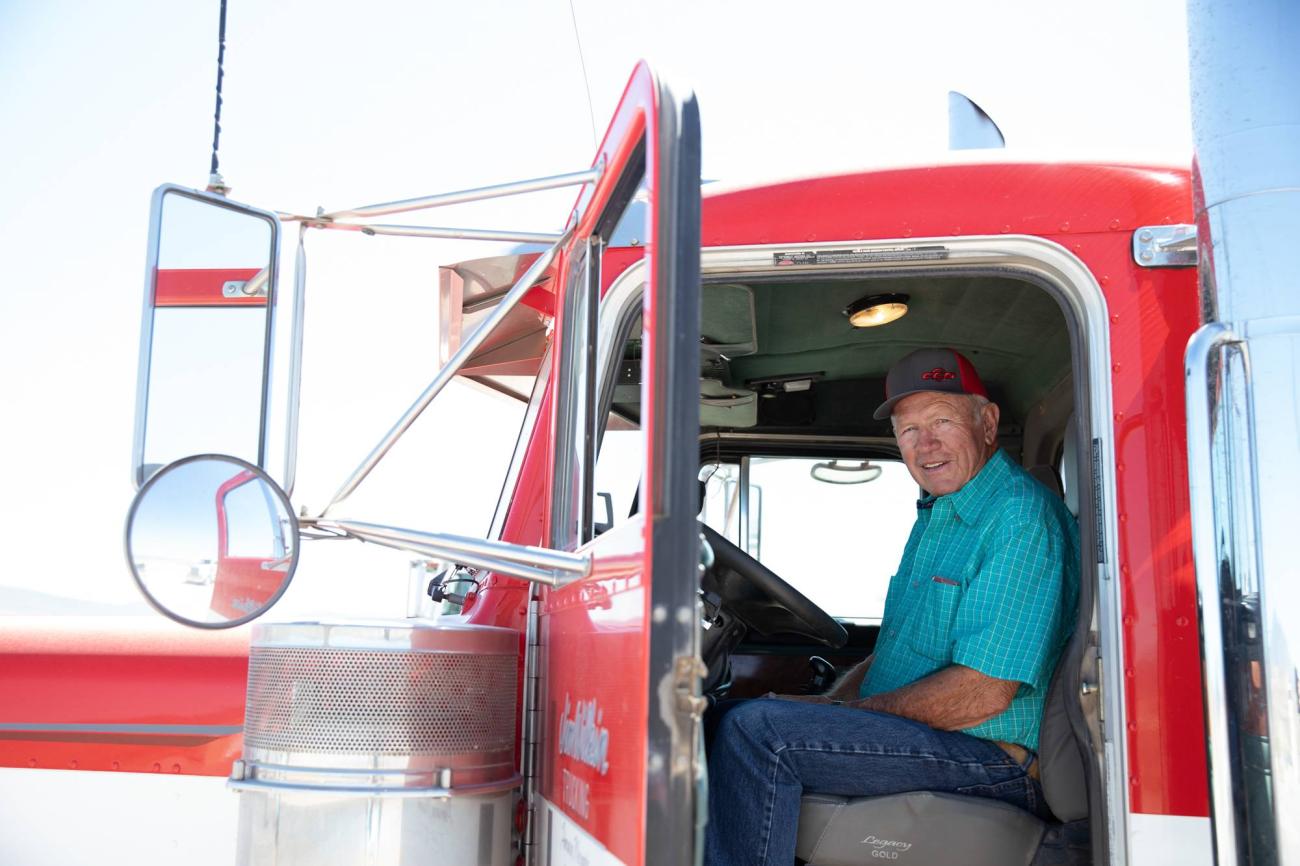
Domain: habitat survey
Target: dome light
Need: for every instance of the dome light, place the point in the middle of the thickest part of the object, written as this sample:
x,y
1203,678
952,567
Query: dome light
x,y
875,310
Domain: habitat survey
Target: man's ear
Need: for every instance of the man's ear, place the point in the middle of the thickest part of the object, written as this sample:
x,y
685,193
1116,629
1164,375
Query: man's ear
x,y
989,414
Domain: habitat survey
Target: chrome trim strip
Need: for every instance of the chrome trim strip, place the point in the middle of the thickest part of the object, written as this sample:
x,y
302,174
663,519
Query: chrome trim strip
x,y
1201,483
269,787
573,448
478,194
294,400
530,721
89,728
467,348
146,336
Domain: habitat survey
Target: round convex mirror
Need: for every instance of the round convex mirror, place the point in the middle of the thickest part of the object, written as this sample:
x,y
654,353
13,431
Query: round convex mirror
x,y
211,541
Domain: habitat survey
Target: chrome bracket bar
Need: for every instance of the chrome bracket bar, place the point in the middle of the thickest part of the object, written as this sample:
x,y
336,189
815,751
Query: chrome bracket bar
x,y
1200,348
1165,246
537,564
485,192
445,375
520,237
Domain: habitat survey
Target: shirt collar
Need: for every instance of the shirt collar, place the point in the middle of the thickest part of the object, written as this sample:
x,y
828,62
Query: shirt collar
x,y
975,495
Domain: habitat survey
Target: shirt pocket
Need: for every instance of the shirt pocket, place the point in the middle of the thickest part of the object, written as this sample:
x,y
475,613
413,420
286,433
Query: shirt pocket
x,y
933,635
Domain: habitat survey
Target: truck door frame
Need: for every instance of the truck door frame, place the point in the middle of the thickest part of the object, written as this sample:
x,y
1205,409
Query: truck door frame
x,y
655,137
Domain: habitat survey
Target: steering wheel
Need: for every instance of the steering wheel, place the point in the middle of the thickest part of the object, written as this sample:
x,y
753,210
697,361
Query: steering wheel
x,y
760,599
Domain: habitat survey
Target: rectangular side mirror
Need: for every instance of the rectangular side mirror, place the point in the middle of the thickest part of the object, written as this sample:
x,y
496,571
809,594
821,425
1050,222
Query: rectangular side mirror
x,y
205,338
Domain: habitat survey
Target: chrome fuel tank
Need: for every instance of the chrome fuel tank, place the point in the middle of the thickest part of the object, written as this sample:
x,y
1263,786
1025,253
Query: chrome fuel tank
x,y
378,743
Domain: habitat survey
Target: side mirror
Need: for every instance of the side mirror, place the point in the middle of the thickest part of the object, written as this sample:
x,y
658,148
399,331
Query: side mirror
x,y
205,338
211,541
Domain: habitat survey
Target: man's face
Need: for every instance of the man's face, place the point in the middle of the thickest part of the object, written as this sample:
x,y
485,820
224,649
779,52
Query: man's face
x,y
943,440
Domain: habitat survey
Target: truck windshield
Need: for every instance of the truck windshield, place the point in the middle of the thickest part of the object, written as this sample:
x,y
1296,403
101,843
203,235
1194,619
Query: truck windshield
x,y
837,543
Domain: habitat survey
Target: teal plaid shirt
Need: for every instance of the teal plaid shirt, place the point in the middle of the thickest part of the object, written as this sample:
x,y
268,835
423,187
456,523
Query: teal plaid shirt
x,y
989,580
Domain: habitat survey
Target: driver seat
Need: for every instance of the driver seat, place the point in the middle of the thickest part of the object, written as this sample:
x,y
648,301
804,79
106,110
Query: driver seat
x,y
923,828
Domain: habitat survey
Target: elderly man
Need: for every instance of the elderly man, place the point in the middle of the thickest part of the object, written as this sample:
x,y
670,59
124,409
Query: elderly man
x,y
975,620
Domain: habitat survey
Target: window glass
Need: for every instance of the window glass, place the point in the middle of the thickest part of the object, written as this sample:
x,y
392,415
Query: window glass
x,y
838,544
248,514
618,473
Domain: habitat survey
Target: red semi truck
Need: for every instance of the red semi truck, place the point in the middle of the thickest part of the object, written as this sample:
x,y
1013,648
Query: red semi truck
x,y
702,370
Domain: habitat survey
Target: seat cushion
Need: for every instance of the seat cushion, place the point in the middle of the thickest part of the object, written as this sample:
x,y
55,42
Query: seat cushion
x,y
916,829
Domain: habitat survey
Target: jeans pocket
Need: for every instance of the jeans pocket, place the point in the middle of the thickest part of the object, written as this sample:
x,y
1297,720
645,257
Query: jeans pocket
x,y
1018,792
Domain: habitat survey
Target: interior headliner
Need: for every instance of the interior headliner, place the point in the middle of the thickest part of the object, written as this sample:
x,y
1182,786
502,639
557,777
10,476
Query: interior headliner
x,y
757,334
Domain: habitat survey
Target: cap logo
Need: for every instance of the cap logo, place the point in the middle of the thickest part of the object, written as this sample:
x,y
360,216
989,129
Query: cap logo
x,y
938,374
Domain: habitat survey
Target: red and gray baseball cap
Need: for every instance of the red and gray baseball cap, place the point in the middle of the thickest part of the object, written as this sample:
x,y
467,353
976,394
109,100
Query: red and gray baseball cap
x,y
929,370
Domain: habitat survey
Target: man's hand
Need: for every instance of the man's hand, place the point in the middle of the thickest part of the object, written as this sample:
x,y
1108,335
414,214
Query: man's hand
x,y
805,699
845,690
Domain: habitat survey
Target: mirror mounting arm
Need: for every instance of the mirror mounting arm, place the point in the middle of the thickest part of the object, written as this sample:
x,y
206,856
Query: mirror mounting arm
x,y
554,568
521,288
576,178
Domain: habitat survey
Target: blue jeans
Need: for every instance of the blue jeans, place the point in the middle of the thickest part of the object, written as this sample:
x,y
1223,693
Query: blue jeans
x,y
767,752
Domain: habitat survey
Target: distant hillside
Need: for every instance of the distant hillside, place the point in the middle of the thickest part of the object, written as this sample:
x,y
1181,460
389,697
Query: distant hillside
x,y
31,602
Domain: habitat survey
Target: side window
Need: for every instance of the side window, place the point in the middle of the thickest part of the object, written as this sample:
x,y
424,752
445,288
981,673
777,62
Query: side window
x,y
621,444
618,476
838,543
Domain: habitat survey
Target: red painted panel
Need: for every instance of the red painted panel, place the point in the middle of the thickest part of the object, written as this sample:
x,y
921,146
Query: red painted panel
x,y
1046,199
100,693
1153,313
201,287
595,689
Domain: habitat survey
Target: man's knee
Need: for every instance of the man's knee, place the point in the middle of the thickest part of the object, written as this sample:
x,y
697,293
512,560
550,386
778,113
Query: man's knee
x,y
757,722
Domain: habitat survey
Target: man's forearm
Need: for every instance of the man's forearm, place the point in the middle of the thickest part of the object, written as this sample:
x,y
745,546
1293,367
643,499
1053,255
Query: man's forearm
x,y
950,699
846,688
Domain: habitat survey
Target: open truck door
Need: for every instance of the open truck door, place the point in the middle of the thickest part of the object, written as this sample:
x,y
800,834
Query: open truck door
x,y
619,774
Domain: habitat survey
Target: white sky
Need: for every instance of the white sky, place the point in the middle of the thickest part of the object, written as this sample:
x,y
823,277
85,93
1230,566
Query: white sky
x,y
336,104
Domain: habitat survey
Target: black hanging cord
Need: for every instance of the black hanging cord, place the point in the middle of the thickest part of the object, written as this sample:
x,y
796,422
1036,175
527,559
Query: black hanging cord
x,y
215,182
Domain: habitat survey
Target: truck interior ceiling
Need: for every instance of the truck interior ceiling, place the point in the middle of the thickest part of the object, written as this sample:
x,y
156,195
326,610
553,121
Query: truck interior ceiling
x,y
796,474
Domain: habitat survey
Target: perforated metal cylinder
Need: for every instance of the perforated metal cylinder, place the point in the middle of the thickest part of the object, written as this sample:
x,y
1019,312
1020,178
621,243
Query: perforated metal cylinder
x,y
391,728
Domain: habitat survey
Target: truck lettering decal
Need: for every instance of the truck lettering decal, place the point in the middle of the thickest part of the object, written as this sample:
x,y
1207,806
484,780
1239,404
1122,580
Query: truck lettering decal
x,y
583,737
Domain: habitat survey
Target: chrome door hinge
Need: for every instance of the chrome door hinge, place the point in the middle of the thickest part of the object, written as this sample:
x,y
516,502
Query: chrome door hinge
x,y
1165,246
687,673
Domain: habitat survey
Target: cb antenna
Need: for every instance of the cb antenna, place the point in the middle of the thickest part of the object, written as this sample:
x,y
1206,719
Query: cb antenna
x,y
215,182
